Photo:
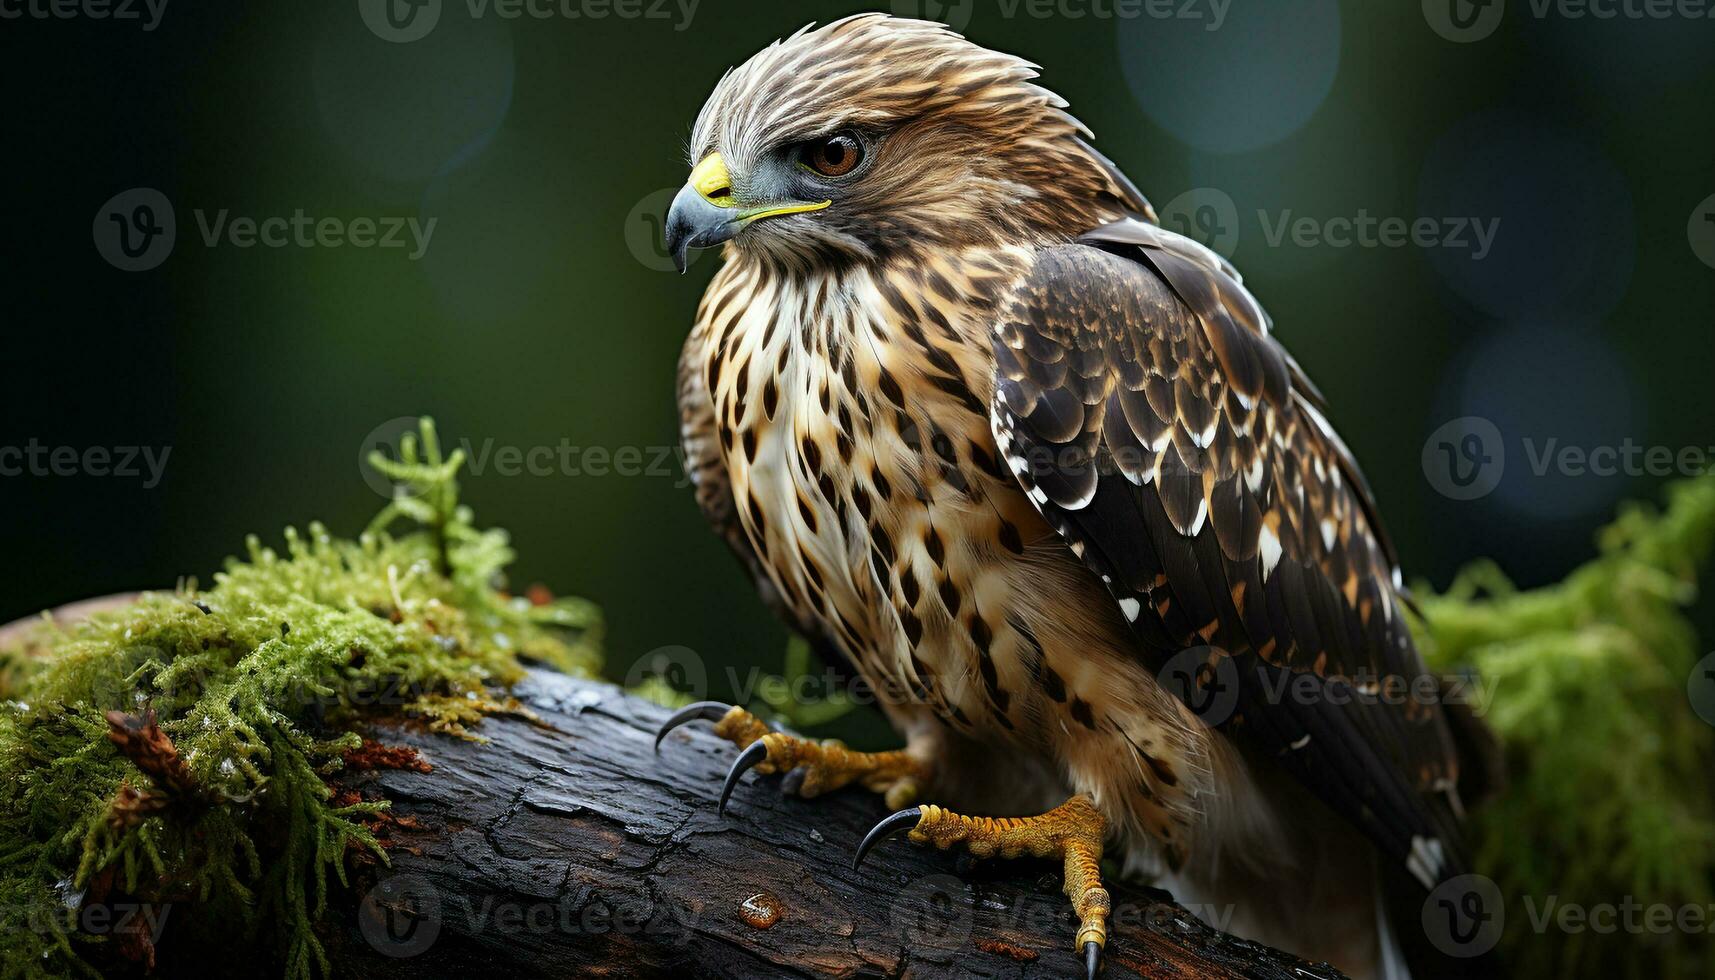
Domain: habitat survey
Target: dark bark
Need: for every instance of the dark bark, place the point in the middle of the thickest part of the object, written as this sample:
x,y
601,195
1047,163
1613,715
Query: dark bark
x,y
571,848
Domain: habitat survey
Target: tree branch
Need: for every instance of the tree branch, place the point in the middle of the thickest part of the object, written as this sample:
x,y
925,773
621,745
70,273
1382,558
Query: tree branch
x,y
569,847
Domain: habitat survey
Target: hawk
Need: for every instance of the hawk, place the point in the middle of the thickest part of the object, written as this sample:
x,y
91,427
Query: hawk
x,y
1039,471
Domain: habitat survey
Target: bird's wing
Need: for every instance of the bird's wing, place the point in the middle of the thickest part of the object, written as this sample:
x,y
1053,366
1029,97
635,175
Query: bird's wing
x,y
1185,458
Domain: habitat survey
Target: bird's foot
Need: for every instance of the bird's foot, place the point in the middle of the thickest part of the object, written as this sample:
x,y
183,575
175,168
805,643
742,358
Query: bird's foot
x,y
1071,831
816,766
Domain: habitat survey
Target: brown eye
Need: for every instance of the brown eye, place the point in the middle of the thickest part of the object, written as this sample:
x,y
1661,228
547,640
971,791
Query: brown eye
x,y
834,156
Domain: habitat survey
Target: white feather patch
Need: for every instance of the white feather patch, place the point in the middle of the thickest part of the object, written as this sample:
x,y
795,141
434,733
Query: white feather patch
x,y
1269,546
1425,860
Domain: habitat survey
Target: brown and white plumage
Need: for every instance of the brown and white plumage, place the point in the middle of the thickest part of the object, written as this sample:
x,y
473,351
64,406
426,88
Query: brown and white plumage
x,y
982,429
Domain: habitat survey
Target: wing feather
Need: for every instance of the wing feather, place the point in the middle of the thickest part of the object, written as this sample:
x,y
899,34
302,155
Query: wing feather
x,y
1158,426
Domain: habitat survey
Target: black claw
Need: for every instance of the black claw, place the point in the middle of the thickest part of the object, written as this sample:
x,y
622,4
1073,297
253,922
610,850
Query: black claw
x,y
701,711
1092,959
897,823
746,759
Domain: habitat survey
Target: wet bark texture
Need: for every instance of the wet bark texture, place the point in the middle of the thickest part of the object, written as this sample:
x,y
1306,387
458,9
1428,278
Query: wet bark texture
x,y
570,848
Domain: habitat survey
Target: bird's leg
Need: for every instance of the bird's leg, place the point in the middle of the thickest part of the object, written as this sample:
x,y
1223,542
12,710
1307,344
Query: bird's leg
x,y
823,766
1071,831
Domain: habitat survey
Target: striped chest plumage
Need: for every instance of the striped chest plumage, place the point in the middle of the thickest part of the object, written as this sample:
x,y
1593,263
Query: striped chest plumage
x,y
850,419
853,428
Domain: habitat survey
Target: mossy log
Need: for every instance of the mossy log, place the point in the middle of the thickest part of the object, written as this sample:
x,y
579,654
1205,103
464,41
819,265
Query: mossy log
x,y
567,846
562,844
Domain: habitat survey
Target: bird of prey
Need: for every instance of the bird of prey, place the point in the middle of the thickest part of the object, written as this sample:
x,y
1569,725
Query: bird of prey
x,y
1039,471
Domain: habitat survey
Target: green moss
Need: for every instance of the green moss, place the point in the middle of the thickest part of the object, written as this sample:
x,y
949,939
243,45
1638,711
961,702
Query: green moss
x,y
258,683
1609,795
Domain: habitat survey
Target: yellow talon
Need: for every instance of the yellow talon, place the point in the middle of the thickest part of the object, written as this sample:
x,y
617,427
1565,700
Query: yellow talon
x,y
827,765
1071,831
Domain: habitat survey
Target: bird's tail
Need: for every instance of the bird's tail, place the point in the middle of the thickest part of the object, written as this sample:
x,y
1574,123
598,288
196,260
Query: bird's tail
x,y
1452,930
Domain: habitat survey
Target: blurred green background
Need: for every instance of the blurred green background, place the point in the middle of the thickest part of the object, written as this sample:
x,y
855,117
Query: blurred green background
x,y
544,149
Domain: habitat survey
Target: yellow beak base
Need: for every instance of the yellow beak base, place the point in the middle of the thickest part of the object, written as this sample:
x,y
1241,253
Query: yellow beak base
x,y
711,180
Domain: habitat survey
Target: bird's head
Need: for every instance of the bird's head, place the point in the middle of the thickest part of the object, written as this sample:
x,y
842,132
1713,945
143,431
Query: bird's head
x,y
875,135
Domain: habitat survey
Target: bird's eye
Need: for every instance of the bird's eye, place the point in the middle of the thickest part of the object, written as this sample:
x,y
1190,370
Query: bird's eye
x,y
833,156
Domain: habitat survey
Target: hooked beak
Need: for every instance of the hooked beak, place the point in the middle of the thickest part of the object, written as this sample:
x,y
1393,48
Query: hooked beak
x,y
705,212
